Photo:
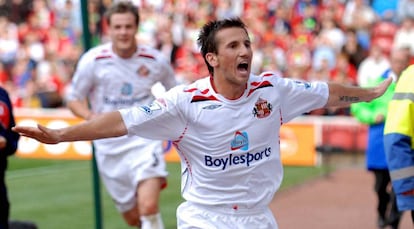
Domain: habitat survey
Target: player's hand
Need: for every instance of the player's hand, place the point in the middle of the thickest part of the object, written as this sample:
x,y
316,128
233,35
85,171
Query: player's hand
x,y
40,133
381,88
3,142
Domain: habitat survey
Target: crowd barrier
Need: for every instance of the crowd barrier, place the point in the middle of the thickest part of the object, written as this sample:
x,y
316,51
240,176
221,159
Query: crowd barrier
x,y
298,138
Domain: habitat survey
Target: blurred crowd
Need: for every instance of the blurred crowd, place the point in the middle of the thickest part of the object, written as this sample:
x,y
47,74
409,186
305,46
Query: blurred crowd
x,y
346,41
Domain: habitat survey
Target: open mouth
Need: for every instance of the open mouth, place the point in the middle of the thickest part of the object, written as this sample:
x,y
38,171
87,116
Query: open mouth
x,y
242,67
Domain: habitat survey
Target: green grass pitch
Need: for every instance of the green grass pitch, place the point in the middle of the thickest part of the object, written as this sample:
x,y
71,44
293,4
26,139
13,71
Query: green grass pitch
x,y
58,194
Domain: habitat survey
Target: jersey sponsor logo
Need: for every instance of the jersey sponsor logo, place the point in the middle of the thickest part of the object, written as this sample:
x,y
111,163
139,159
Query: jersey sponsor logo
x,y
245,159
240,141
126,89
262,108
121,102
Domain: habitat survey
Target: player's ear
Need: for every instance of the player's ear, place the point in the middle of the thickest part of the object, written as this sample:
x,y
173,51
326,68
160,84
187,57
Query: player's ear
x,y
212,59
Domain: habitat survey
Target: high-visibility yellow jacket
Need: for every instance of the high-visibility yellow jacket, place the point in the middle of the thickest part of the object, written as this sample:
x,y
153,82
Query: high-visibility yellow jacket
x,y
399,139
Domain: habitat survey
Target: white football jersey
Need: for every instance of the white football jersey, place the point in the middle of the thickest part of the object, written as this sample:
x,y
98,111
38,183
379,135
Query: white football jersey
x,y
229,149
111,83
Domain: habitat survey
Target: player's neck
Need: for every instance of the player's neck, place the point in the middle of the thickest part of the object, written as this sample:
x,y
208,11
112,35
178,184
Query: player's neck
x,y
227,89
125,53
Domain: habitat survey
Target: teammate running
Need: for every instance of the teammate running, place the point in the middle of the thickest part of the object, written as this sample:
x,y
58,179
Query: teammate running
x,y
117,75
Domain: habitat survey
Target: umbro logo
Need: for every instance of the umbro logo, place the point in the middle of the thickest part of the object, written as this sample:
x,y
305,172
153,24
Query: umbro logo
x,y
212,107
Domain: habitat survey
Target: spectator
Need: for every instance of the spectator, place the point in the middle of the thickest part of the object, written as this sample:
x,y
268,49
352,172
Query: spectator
x,y
165,39
374,114
17,11
281,21
68,17
9,43
225,9
23,89
358,15
404,36
43,13
330,35
48,83
353,49
405,9
324,56
299,59
372,66
343,72
334,9
321,72
304,12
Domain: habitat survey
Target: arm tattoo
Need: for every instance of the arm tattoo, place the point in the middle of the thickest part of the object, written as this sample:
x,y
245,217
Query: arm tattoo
x,y
344,98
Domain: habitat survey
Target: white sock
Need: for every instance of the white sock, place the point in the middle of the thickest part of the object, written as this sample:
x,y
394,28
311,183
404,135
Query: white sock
x,y
152,222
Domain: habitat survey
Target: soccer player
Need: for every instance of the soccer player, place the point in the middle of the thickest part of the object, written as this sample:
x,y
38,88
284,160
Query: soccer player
x,y
399,141
8,146
116,75
225,128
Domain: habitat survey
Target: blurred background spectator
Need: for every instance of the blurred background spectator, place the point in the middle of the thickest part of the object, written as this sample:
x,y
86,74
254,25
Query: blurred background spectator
x,y
329,40
373,65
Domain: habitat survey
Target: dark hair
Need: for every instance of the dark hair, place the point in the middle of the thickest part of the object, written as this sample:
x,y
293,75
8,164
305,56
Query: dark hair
x,y
121,7
207,37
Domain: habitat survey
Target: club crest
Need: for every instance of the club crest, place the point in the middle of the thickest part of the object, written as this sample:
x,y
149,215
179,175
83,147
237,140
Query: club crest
x,y
143,71
262,108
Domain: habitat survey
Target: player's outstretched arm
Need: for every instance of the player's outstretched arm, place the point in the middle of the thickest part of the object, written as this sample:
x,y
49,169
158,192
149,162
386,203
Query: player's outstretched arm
x,y
103,126
343,96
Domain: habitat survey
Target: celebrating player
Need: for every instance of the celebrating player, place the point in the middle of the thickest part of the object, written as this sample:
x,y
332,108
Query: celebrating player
x,y
225,128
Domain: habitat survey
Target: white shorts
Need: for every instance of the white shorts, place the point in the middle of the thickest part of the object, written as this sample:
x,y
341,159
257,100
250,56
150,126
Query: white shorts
x,y
122,172
195,216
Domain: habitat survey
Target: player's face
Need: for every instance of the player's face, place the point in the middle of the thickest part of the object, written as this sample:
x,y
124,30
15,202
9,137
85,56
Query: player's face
x,y
234,56
122,30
